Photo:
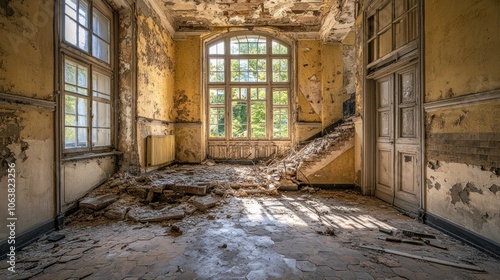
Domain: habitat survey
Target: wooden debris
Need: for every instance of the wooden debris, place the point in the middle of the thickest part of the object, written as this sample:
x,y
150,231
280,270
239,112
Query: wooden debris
x,y
385,230
429,259
401,240
418,234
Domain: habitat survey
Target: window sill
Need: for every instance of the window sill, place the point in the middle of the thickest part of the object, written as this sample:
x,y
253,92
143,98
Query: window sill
x,y
68,158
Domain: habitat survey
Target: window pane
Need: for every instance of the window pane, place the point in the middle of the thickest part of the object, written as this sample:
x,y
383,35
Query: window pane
x,y
279,48
280,97
400,32
100,49
248,70
81,109
280,122
81,137
412,25
83,38
101,115
217,122
239,112
83,11
216,70
280,70
385,46
101,25
70,110
75,77
400,7
101,137
216,96
70,30
101,85
70,137
248,44
371,27
216,48
258,93
258,119
385,16
372,50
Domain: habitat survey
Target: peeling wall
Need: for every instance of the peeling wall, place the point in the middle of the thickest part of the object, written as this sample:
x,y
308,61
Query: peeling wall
x,y
27,140
339,171
155,78
466,195
26,133
462,40
462,141
83,175
126,94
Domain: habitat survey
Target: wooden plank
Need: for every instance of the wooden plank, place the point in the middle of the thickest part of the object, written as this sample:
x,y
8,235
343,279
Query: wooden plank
x,y
434,260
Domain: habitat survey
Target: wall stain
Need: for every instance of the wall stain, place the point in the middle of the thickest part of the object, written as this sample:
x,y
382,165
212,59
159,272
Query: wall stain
x,y
460,118
5,9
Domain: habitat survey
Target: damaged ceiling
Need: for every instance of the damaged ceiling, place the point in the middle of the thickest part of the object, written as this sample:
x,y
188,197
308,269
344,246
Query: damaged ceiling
x,y
329,19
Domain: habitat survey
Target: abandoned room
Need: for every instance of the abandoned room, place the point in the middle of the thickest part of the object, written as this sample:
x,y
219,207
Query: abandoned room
x,y
249,139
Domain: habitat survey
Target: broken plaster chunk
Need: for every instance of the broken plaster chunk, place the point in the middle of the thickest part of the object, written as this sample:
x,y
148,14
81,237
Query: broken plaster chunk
x,y
139,191
99,202
197,190
204,202
117,211
147,215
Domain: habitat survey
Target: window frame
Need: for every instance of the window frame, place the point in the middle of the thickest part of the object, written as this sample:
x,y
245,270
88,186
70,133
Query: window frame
x,y
228,84
372,37
68,51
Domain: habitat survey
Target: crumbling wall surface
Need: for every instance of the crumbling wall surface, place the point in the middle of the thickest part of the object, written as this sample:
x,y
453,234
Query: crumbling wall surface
x,y
462,140
83,175
359,82
188,143
309,80
27,140
461,47
155,76
339,171
27,133
126,101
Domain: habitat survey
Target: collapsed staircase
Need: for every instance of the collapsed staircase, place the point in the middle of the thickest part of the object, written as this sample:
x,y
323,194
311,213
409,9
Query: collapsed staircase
x,y
314,155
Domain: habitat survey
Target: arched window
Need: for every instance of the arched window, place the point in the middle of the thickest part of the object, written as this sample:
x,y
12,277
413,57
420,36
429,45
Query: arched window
x,y
248,86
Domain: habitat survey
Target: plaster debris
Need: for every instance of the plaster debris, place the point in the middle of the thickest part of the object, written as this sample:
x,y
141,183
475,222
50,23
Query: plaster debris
x,y
98,203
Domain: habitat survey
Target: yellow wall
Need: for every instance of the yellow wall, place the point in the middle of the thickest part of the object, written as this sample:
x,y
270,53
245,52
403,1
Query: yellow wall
x,y
188,100
462,57
339,171
462,40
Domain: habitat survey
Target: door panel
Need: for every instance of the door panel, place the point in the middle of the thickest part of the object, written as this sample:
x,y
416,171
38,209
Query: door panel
x,y
384,145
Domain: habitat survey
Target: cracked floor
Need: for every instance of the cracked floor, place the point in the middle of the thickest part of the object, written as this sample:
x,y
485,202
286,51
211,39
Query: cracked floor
x,y
290,236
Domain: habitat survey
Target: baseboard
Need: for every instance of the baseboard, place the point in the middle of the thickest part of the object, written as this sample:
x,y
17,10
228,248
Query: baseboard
x,y
28,237
488,246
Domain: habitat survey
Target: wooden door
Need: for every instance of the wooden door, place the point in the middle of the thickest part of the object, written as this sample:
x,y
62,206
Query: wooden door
x,y
397,165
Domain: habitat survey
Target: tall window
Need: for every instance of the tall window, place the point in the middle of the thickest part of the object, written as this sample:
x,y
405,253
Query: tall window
x,y
248,88
87,74
390,27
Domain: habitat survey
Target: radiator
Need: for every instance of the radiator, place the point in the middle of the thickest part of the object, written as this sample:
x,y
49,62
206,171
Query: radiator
x,y
160,149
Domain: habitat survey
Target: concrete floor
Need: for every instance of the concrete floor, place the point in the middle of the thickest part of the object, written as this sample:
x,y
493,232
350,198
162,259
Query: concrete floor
x,y
289,236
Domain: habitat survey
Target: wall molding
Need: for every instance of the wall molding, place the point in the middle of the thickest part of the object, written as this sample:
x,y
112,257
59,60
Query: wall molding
x,y
311,124
461,101
24,101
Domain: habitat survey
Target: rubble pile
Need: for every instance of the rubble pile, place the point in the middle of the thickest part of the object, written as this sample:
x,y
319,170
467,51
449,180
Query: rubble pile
x,y
284,170
170,194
